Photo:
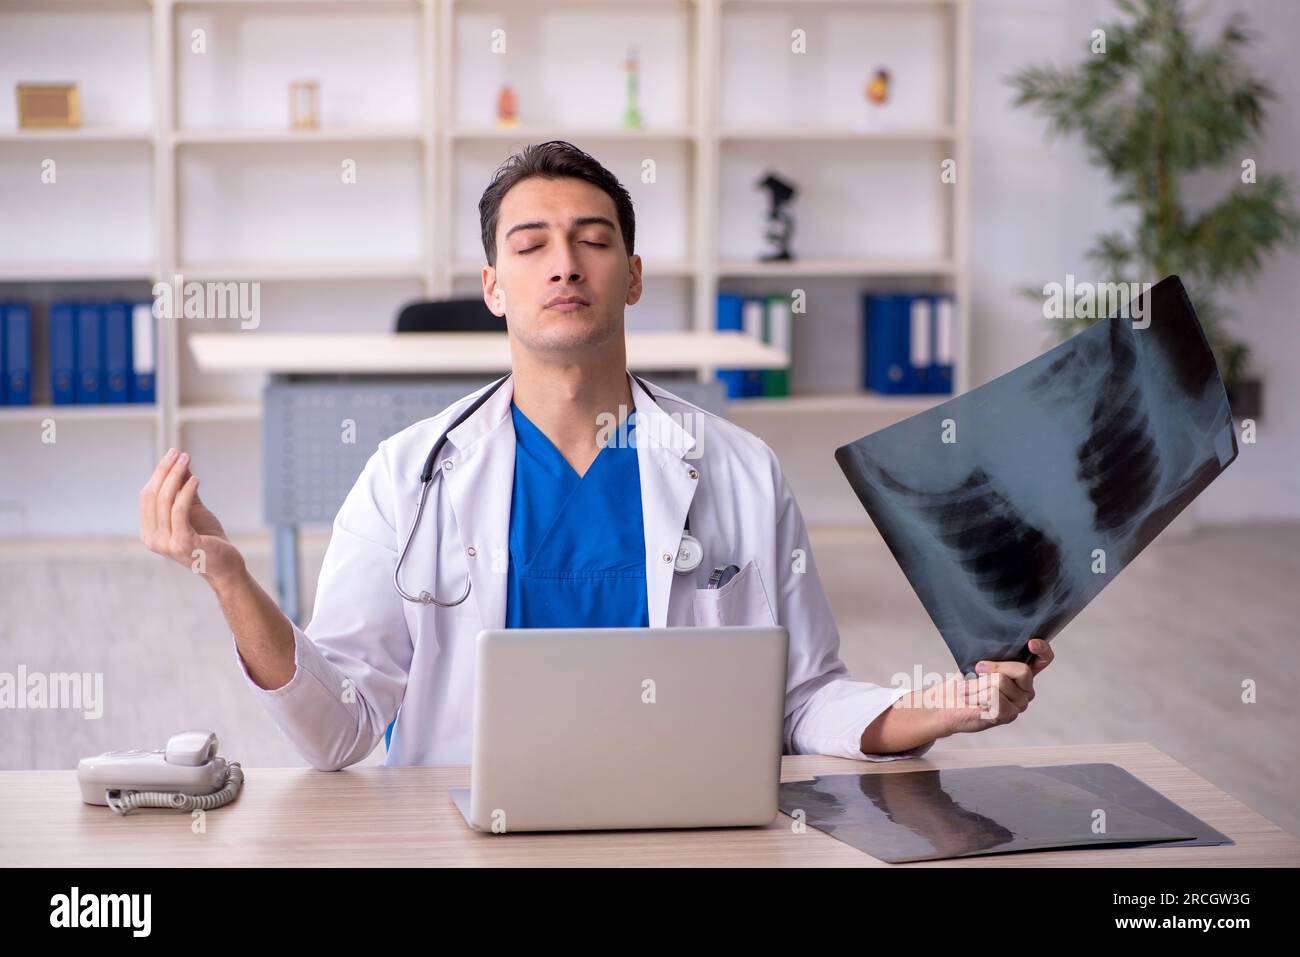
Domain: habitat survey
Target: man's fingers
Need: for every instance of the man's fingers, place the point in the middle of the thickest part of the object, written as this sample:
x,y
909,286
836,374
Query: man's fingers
x,y
159,471
149,494
171,484
995,696
962,697
999,696
985,692
1043,654
1016,671
1014,698
180,519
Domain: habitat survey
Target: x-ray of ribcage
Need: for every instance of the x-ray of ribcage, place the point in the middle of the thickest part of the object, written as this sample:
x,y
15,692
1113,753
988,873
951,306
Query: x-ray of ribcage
x,y
1060,472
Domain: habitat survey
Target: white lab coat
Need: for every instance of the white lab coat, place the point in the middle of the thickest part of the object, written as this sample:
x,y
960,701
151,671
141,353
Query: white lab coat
x,y
366,651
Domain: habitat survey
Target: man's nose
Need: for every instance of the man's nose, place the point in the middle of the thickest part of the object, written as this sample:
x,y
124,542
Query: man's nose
x,y
566,267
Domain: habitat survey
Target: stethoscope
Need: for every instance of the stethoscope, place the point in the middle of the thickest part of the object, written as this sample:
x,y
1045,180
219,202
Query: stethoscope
x,y
690,553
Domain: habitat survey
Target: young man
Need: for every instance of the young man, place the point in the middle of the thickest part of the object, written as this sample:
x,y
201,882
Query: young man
x,y
549,524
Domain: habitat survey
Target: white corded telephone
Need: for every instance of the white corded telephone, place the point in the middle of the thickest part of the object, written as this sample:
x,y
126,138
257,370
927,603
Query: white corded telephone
x,y
186,775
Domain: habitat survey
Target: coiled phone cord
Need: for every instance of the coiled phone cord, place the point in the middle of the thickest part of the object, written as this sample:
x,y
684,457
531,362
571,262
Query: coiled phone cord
x,y
125,803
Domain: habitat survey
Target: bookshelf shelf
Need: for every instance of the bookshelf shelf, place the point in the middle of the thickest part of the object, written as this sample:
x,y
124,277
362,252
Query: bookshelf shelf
x,y
314,271
530,134
837,268
814,134
254,137
842,3
610,5
855,402
361,4
79,413
75,6
76,272
82,134
668,269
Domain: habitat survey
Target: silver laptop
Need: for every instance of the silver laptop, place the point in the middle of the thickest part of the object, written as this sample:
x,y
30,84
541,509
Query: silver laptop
x,y
587,729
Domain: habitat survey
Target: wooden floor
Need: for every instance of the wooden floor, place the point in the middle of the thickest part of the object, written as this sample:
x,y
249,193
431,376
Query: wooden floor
x,y
1160,656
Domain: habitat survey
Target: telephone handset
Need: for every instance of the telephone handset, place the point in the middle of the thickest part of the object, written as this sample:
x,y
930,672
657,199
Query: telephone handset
x,y
186,775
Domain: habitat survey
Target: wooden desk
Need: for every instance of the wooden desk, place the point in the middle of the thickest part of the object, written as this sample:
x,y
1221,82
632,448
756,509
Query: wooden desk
x,y
403,816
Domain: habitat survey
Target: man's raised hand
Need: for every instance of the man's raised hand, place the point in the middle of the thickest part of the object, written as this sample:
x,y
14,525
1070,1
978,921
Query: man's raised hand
x,y
175,523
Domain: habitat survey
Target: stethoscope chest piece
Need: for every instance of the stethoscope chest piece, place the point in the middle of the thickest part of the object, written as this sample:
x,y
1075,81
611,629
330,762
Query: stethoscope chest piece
x,y
690,554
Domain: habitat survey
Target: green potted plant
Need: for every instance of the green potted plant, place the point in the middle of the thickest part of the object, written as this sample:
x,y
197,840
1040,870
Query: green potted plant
x,y
1154,106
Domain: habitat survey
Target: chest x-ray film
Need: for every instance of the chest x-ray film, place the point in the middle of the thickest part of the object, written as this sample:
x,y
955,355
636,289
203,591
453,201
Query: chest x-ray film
x,y
965,812
1011,506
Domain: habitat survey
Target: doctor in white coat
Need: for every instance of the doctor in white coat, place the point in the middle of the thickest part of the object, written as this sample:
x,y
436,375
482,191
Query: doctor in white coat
x,y
558,236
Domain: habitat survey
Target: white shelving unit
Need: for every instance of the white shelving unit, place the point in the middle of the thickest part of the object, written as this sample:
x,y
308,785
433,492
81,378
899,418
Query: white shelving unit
x,y
711,133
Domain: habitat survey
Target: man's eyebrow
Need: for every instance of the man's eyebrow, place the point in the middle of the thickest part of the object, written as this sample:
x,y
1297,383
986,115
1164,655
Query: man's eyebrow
x,y
593,221
578,221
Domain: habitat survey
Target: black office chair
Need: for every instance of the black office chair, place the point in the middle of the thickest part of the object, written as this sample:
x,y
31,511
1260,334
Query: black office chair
x,y
449,315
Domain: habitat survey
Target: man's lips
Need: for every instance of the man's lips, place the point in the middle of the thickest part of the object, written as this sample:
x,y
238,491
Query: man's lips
x,y
568,304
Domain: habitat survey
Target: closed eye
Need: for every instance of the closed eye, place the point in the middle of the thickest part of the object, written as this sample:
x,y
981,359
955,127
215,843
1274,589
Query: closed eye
x,y
588,242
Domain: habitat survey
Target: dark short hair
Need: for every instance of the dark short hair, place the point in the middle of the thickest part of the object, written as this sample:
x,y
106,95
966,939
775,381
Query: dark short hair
x,y
553,159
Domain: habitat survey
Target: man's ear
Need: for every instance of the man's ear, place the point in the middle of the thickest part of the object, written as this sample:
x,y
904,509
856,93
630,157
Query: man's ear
x,y
635,288
493,295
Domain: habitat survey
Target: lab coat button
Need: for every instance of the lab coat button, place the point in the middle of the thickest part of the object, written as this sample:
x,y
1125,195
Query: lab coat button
x,y
668,557
693,473
447,465
472,551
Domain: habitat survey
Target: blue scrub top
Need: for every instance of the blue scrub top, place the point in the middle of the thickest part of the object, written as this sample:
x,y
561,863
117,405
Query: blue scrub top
x,y
577,543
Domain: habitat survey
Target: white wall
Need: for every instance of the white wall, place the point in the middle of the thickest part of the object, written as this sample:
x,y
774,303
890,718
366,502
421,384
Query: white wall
x,y
1035,208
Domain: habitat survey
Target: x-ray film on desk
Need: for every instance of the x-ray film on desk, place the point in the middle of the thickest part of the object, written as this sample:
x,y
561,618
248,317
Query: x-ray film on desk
x,y
906,816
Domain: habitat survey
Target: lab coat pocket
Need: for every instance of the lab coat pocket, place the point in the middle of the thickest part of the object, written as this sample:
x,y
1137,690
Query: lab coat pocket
x,y
741,601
